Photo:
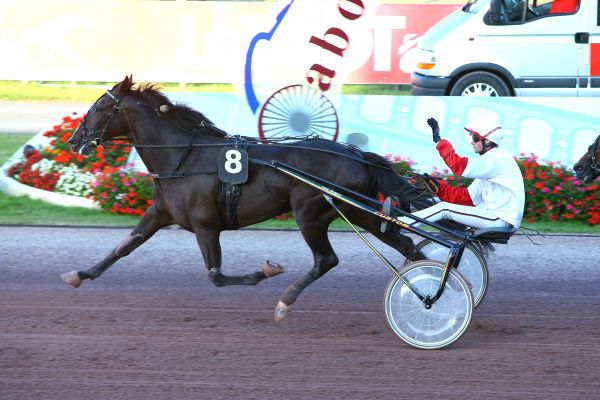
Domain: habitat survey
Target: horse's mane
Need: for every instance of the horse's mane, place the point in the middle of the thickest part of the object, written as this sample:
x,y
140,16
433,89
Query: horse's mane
x,y
180,114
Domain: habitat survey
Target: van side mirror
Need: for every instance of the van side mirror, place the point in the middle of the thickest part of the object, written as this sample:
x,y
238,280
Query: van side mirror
x,y
582,37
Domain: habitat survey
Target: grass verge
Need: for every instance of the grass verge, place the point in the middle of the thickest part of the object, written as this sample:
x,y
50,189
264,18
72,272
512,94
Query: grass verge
x,y
11,143
25,211
88,92
85,92
392,90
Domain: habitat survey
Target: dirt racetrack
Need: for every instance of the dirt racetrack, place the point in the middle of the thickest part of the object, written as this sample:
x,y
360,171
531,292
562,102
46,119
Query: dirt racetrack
x,y
153,327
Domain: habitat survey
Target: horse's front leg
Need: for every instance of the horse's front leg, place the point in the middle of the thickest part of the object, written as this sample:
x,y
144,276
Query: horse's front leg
x,y
150,223
209,244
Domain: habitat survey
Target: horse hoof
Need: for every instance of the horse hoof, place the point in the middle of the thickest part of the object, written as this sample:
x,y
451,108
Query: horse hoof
x,y
271,269
281,310
72,278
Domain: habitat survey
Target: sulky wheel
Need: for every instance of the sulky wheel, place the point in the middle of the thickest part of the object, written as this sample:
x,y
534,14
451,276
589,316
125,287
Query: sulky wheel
x,y
297,110
472,267
436,327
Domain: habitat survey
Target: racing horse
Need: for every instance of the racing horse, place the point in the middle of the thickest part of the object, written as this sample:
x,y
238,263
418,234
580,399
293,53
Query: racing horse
x,y
588,167
180,147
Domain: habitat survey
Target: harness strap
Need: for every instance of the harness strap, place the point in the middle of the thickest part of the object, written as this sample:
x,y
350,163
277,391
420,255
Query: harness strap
x,y
168,175
250,144
183,157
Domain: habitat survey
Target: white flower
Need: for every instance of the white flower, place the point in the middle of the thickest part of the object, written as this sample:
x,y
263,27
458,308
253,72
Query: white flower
x,y
44,166
74,181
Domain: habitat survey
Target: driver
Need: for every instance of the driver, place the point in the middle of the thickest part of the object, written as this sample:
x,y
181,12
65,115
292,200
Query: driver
x,y
496,198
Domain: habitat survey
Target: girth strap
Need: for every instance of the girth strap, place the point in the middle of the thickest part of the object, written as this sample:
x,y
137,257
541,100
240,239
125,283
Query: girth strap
x,y
230,195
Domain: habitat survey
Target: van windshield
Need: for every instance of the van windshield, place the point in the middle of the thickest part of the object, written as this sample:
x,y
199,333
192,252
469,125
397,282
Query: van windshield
x,y
473,6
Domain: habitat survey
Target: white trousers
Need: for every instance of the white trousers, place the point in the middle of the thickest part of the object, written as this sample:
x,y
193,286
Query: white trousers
x,y
475,217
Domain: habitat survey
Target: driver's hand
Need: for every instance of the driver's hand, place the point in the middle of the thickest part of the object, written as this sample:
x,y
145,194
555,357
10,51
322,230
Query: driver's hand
x,y
435,129
433,184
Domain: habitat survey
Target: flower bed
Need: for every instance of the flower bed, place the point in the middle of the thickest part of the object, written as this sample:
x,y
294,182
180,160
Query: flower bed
x,y
102,176
552,191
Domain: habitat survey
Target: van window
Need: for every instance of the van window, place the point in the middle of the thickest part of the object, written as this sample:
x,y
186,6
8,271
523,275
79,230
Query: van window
x,y
508,12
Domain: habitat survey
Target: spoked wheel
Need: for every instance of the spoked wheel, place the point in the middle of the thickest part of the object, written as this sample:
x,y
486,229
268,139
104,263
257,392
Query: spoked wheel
x,y
472,267
436,327
298,110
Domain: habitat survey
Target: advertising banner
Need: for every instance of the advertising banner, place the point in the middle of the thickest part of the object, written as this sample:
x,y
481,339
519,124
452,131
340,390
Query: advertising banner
x,y
213,41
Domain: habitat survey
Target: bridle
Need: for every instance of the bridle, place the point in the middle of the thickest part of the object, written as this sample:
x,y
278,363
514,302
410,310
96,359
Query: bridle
x,y
592,155
90,135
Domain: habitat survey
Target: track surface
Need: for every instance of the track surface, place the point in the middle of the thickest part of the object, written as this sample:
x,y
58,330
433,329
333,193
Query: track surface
x,y
153,327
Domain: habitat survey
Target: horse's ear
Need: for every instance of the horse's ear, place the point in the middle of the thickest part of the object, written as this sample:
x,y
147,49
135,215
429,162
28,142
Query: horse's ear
x,y
125,84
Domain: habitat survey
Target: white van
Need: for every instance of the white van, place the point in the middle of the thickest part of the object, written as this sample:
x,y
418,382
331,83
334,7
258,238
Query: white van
x,y
512,48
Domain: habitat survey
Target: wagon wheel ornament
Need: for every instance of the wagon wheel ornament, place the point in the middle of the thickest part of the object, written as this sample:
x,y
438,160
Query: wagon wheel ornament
x,y
298,110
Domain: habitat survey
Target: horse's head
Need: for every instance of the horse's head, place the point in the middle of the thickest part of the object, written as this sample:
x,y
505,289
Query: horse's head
x,y
588,167
104,120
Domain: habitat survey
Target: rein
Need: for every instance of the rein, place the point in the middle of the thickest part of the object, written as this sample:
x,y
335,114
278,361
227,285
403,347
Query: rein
x,y
237,140
246,141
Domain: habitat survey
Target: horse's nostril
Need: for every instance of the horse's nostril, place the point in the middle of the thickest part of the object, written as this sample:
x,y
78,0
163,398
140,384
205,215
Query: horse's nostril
x,y
578,168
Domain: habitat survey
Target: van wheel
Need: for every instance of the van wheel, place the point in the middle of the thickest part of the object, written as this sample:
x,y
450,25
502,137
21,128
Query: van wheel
x,y
480,83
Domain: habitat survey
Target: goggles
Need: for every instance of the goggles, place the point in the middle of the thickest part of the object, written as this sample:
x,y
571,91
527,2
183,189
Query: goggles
x,y
477,137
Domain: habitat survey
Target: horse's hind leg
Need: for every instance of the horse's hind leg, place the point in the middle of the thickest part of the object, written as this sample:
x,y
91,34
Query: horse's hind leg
x,y
208,241
315,235
401,243
150,223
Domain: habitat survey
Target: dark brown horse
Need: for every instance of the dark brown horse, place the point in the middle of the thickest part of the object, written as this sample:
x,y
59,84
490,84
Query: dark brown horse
x,y
588,167
181,147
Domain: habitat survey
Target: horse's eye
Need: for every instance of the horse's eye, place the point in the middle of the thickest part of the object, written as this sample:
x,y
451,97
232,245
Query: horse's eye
x,y
98,108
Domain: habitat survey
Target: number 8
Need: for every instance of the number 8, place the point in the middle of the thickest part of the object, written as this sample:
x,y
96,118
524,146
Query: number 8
x,y
232,161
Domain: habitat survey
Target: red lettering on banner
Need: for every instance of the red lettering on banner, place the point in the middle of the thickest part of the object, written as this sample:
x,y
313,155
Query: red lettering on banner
x,y
348,14
323,75
323,43
595,59
383,64
385,60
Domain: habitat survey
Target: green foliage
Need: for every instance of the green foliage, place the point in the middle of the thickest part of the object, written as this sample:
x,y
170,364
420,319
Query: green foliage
x,y
553,193
124,192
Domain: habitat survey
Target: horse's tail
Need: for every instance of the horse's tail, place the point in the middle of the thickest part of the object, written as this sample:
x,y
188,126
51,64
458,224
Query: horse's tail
x,y
385,180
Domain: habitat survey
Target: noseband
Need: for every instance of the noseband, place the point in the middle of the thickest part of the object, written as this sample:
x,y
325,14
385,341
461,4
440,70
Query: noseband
x,y
90,135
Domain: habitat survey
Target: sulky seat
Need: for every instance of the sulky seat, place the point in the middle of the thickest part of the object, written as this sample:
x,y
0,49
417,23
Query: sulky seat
x,y
494,235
